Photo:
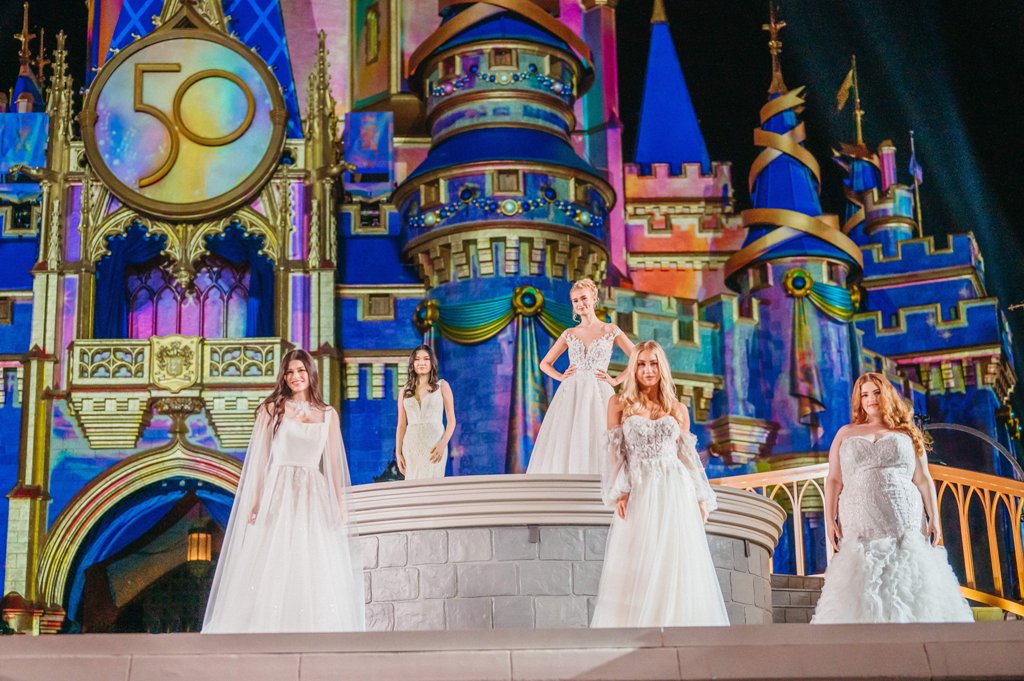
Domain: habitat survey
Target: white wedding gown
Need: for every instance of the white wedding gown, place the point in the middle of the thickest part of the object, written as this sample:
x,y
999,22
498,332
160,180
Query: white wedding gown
x,y
886,570
657,569
425,427
294,568
571,438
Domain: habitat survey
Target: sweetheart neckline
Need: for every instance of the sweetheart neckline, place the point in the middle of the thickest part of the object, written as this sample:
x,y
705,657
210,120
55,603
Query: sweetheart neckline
x,y
881,437
586,348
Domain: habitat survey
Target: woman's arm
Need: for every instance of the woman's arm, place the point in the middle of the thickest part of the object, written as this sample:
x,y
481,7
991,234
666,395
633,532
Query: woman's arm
x,y
833,488
400,433
926,486
546,364
617,477
437,452
626,345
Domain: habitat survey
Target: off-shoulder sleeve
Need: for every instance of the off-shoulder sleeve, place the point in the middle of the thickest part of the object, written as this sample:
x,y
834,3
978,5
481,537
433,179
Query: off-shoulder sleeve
x,y
615,471
687,451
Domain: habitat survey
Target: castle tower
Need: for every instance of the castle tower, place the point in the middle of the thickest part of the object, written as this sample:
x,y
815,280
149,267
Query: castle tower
x,y
794,268
502,212
680,225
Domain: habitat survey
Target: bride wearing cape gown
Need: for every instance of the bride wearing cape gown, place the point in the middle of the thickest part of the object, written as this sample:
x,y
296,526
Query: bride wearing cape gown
x,y
287,562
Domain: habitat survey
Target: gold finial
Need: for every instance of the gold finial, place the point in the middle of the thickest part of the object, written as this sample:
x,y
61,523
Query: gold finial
x,y
41,61
659,16
25,37
774,27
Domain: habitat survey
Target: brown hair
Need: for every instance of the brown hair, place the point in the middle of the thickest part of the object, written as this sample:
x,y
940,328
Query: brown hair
x,y
432,378
274,404
897,413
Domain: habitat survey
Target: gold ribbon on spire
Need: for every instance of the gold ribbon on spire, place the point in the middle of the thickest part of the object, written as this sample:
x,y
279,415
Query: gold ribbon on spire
x,y
788,224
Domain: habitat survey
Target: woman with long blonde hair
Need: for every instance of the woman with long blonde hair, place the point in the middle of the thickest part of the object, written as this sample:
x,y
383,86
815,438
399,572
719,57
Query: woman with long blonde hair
x,y
657,569
570,438
881,519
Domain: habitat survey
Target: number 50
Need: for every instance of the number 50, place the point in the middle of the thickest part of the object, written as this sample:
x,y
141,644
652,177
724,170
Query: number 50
x,y
175,124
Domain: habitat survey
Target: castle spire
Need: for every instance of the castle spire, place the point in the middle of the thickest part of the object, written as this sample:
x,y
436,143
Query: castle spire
x,y
774,28
41,61
659,15
25,37
669,131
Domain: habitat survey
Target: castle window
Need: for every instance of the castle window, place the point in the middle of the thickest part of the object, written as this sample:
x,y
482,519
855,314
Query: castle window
x,y
371,24
430,194
760,277
6,311
503,57
835,273
509,182
379,307
449,67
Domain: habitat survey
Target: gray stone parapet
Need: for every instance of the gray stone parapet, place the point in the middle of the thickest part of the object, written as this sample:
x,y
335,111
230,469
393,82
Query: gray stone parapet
x,y
521,552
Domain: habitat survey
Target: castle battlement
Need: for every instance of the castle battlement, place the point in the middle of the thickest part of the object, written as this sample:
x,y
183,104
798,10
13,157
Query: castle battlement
x,y
922,254
690,184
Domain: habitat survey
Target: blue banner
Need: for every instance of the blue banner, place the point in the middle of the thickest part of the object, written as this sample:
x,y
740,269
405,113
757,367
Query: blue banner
x,y
23,140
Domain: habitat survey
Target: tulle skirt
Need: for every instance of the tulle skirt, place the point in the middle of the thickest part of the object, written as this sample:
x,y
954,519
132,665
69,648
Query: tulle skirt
x,y
658,570
890,579
295,569
571,438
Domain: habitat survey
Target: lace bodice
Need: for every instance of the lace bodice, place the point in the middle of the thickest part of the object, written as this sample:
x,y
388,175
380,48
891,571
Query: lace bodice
x,y
879,498
642,449
596,356
428,410
298,444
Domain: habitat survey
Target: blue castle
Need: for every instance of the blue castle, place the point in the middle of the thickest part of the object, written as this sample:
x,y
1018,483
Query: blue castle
x,y
480,173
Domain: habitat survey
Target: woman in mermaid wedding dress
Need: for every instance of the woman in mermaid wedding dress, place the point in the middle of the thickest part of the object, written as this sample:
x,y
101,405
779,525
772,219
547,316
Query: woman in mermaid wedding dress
x,y
657,569
885,569
571,438
287,562
422,435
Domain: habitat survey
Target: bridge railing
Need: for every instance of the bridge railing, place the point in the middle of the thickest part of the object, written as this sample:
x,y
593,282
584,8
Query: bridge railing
x,y
980,516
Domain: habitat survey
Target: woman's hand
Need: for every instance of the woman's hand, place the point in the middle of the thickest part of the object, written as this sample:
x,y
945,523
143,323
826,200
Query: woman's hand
x,y
602,375
401,461
569,372
436,452
703,512
933,532
834,534
253,513
621,503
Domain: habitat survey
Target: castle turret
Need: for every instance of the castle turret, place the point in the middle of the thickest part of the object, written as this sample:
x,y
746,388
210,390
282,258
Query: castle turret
x,y
680,224
795,268
502,211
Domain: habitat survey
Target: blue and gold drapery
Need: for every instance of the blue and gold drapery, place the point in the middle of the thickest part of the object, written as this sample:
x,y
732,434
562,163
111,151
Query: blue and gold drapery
x,y
837,302
479,321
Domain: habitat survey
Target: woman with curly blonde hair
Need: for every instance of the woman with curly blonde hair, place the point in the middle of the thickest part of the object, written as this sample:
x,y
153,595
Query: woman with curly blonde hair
x,y
881,519
571,437
657,569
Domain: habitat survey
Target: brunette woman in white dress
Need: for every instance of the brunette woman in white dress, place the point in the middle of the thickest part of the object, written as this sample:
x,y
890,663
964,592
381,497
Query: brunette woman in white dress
x,y
881,519
657,569
571,438
287,563
422,435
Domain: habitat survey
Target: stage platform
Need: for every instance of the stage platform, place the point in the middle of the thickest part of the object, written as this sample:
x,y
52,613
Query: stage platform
x,y
989,650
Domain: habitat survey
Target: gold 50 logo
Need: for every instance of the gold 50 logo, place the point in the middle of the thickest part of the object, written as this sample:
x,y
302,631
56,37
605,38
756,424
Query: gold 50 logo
x,y
184,124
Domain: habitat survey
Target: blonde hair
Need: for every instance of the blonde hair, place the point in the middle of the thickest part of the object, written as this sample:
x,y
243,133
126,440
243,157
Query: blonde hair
x,y
586,284
632,401
897,413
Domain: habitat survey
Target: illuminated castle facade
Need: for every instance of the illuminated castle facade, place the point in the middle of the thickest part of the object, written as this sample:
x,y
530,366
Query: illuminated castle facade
x,y
355,177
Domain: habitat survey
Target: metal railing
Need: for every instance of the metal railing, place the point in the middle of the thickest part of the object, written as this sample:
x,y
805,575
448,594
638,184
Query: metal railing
x,y
981,514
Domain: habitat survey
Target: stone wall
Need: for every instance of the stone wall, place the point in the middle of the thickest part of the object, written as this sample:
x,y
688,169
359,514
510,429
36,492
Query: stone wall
x,y
522,578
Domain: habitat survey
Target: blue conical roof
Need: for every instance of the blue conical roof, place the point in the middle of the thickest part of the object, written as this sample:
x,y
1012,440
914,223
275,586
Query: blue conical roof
x,y
669,131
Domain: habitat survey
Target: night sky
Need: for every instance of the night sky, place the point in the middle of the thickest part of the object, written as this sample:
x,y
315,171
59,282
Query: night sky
x,y
952,71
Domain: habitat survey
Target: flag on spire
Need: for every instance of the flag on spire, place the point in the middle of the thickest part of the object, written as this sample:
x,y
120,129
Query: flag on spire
x,y
916,171
844,90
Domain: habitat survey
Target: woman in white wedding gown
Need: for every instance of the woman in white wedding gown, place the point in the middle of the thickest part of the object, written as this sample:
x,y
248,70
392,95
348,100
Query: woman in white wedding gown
x,y
286,562
571,438
881,519
422,435
657,569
